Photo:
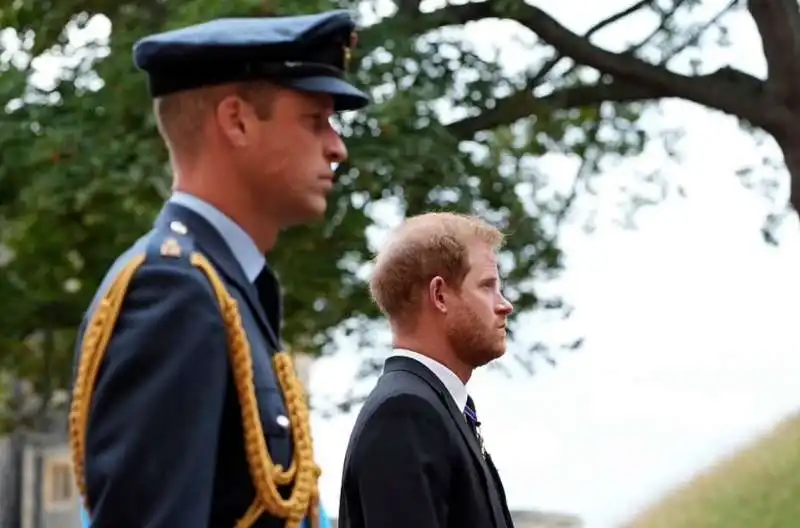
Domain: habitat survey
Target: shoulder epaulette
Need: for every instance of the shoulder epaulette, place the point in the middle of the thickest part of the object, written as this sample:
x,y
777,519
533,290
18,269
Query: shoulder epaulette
x,y
173,242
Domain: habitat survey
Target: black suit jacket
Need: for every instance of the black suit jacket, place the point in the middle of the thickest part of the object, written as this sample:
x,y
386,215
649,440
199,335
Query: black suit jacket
x,y
413,462
164,444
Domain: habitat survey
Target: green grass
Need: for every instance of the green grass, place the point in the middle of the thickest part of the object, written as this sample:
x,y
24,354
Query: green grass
x,y
758,487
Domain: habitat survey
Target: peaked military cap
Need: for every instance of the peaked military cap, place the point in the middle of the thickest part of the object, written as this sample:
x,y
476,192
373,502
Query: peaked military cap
x,y
308,53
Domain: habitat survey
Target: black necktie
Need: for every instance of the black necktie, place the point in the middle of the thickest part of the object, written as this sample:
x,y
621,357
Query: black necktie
x,y
472,420
270,297
471,415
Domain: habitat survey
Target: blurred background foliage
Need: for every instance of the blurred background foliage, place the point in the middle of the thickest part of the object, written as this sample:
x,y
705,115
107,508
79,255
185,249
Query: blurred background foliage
x,y
84,172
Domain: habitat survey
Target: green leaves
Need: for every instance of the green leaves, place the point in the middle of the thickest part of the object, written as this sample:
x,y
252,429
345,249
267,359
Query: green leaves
x,y
83,171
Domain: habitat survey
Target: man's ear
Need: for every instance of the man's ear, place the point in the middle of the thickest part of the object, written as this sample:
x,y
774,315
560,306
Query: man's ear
x,y
236,119
437,294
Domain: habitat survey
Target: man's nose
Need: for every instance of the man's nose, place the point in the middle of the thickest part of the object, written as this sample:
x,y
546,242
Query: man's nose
x,y
505,307
335,149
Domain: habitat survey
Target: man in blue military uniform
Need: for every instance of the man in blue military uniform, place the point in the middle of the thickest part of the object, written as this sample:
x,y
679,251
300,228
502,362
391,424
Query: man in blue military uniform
x,y
185,412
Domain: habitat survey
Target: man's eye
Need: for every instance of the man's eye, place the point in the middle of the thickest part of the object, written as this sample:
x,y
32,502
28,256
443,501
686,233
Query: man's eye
x,y
320,121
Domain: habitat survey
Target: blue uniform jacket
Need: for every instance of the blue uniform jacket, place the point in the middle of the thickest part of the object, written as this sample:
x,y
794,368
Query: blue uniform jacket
x,y
164,441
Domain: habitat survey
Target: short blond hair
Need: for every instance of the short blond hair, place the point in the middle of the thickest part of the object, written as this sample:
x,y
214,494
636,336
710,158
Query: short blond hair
x,y
180,117
423,247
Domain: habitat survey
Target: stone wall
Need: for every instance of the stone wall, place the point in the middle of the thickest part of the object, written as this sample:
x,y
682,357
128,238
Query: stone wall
x,y
9,497
37,488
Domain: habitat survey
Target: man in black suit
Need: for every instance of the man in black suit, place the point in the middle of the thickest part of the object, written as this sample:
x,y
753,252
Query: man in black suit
x,y
185,411
416,458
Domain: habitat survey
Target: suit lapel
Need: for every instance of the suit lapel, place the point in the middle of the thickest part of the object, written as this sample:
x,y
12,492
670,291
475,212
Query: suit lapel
x,y
500,489
419,370
217,251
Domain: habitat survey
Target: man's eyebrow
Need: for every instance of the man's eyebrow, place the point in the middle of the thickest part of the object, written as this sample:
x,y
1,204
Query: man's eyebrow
x,y
488,281
318,111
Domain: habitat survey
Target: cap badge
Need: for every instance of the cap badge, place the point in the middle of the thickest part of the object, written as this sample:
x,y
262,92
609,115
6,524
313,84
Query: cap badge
x,y
348,50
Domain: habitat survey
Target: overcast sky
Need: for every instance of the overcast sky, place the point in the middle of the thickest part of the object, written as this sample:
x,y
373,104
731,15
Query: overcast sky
x,y
690,348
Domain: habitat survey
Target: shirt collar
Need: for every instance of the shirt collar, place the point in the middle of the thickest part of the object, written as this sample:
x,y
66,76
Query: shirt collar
x,y
455,387
242,246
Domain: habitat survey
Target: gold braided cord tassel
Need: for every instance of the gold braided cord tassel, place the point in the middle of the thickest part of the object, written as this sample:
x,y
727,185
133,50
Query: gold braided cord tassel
x,y
313,511
267,476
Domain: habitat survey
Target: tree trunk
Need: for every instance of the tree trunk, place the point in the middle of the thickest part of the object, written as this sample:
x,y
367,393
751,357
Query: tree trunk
x,y
790,146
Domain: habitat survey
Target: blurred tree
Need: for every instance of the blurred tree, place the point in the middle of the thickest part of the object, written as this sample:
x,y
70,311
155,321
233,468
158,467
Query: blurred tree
x,y
646,70
83,171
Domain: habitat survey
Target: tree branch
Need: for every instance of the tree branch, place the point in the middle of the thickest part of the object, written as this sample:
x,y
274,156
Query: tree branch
x,y
713,91
548,66
523,103
659,80
778,23
407,8
697,33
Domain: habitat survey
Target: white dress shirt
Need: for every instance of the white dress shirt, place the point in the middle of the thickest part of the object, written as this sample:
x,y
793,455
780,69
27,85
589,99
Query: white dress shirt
x,y
455,387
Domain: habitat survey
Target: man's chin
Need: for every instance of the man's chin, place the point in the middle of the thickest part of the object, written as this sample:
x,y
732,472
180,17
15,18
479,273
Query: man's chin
x,y
490,355
499,352
311,214
317,208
